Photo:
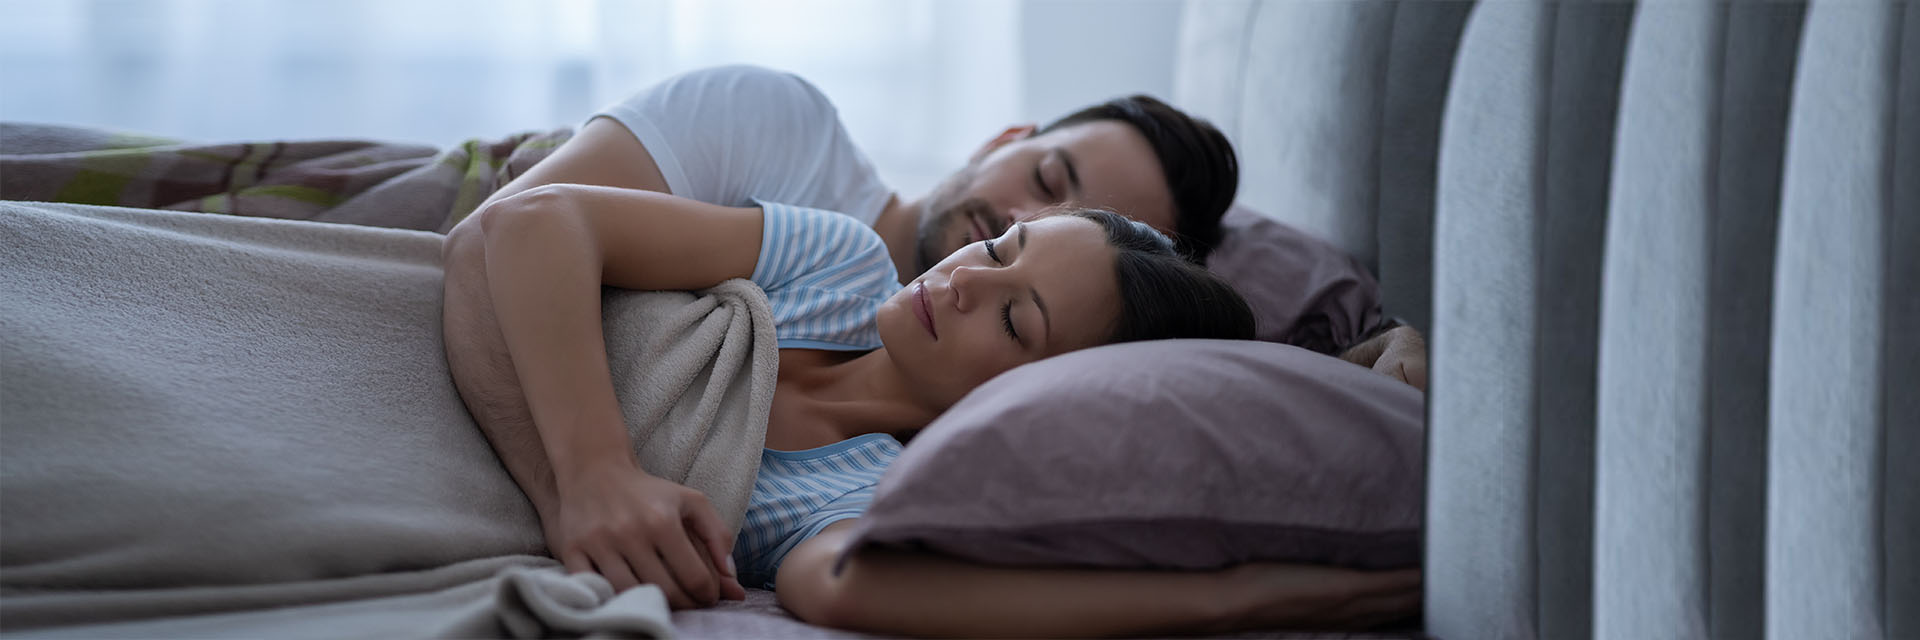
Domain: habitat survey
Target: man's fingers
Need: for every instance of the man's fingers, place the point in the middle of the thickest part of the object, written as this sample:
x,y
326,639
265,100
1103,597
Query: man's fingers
x,y
646,565
614,569
706,526
577,562
730,588
696,574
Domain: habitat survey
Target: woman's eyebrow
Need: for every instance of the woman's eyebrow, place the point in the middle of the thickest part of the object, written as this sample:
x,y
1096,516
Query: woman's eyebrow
x,y
1042,304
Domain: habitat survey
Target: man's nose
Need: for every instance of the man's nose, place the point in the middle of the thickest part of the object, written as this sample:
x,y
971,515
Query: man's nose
x,y
1020,213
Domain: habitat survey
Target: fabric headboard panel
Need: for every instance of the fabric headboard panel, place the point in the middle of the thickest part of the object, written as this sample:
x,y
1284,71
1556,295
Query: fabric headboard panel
x,y
1673,395
1334,111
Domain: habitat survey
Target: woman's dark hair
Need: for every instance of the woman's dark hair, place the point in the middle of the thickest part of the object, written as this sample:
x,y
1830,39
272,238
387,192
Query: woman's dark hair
x,y
1198,162
1162,295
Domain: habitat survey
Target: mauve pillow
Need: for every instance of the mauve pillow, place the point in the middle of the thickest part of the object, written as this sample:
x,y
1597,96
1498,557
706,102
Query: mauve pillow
x,y
1304,291
1175,454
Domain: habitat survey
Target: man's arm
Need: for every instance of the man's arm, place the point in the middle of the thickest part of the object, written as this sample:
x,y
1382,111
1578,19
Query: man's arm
x,y
1398,352
542,256
602,153
926,595
483,372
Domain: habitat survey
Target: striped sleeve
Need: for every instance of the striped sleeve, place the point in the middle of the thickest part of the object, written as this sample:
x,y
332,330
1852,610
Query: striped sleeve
x,y
849,505
799,493
825,274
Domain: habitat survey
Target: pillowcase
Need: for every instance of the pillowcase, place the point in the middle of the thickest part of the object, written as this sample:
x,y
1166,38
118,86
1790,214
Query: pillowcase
x,y
1170,454
1304,291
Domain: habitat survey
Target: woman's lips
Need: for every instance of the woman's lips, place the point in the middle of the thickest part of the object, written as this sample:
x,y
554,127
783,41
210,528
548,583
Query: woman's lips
x,y
924,309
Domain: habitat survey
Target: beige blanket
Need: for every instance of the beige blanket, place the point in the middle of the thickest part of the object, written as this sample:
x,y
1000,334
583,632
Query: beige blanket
x,y
217,426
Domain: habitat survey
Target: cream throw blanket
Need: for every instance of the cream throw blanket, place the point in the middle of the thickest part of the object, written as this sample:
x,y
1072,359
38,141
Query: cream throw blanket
x,y
223,426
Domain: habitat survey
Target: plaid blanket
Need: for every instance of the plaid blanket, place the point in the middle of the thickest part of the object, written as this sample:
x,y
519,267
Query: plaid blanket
x,y
379,184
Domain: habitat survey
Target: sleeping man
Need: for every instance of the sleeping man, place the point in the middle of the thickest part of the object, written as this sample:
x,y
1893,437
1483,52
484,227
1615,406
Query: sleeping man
x,y
734,145
733,135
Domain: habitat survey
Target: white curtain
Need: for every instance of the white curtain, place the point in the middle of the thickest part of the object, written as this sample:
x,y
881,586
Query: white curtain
x,y
920,83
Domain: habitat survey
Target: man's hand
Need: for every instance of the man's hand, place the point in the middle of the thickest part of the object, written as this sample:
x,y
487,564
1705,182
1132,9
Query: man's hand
x,y
1294,596
1399,353
635,528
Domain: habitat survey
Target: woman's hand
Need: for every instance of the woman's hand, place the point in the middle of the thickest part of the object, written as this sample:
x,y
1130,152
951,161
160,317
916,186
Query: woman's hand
x,y
635,528
1294,596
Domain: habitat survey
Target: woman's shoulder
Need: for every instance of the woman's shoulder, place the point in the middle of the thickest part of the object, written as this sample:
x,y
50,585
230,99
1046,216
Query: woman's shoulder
x,y
803,245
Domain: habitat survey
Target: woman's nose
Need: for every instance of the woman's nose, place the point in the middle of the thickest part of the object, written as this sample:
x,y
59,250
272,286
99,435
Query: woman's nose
x,y
968,284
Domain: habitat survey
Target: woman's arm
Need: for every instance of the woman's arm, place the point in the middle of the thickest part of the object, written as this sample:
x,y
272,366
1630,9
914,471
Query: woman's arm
x,y
926,595
537,262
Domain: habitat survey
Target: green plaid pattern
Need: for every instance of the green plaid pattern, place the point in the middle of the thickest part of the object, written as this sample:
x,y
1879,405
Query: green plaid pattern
x,y
401,186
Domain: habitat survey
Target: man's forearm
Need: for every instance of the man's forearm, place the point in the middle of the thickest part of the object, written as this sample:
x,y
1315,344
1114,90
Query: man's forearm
x,y
483,372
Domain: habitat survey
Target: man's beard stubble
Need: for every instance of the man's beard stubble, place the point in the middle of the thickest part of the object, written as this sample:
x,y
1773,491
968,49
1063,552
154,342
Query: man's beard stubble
x,y
946,207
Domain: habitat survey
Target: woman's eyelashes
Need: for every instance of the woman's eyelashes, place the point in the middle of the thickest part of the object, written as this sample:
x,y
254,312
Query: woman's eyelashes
x,y
1006,318
1006,310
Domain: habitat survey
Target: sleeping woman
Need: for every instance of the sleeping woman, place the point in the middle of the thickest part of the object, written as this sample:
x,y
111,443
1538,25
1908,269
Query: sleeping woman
x,y
862,359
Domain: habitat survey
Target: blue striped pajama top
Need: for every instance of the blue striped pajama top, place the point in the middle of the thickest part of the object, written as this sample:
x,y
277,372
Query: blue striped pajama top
x,y
825,275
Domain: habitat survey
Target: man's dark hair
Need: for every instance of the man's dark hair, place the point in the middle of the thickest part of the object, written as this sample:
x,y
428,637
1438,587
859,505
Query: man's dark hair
x,y
1162,295
1201,170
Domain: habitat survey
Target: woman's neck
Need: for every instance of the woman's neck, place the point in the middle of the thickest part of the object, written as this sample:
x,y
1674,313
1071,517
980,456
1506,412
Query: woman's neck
x,y
850,396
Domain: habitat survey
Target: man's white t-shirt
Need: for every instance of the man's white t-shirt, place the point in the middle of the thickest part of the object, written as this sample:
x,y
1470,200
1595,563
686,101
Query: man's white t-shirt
x,y
735,134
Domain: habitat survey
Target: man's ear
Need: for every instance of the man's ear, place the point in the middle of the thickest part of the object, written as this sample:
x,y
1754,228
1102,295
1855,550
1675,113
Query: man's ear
x,y
1013,133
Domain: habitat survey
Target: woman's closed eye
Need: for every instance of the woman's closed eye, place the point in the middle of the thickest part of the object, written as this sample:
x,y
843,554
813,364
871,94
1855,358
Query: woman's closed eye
x,y
1006,310
1006,319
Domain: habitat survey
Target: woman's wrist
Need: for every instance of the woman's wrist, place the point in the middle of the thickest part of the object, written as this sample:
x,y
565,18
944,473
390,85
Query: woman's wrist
x,y
589,465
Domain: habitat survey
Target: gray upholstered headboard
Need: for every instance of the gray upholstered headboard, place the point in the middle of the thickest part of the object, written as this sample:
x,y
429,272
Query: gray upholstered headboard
x,y
1665,252
1334,109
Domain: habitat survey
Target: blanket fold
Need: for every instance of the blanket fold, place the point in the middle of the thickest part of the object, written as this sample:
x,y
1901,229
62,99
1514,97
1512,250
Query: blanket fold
x,y
227,426
379,184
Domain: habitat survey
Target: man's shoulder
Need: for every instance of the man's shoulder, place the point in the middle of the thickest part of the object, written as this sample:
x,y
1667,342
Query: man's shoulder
x,y
755,84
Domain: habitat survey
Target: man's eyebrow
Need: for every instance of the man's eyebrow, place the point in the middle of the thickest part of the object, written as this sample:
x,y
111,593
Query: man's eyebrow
x,y
1073,177
1042,304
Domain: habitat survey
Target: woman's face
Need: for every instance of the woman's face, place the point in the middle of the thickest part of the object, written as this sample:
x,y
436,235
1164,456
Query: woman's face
x,y
1044,287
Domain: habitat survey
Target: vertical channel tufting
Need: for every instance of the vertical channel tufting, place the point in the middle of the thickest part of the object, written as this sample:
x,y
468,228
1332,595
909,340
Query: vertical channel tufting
x,y
1761,44
1213,61
1480,538
1900,449
1589,41
1651,436
1824,571
1315,113
1425,36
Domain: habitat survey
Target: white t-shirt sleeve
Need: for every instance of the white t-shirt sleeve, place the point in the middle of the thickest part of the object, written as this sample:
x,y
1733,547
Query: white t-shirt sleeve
x,y
731,135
